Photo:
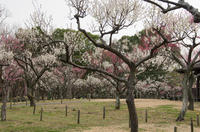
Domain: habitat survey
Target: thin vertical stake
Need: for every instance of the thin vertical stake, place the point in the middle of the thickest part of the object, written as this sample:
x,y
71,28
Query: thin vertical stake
x,y
78,120
66,110
192,129
146,116
104,112
129,122
175,129
41,112
197,119
10,104
34,108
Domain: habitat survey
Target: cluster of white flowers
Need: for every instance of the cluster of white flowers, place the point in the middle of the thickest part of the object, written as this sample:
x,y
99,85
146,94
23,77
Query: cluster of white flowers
x,y
151,85
24,34
106,64
46,59
75,40
27,54
59,51
93,80
98,53
5,56
80,83
137,53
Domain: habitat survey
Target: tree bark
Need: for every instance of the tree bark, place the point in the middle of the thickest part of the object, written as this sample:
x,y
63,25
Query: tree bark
x,y
185,97
191,100
4,105
132,113
197,85
130,102
69,92
32,101
4,96
190,94
117,103
31,97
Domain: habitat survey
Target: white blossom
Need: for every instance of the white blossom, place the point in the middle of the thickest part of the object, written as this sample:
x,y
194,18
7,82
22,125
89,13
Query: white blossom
x,y
47,59
28,54
93,80
80,82
106,64
5,56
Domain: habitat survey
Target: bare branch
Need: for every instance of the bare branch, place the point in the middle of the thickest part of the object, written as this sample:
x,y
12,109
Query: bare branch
x,y
152,52
177,5
103,45
178,60
151,55
96,70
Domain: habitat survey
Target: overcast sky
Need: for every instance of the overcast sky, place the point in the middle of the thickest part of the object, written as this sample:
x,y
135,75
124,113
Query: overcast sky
x,y
20,11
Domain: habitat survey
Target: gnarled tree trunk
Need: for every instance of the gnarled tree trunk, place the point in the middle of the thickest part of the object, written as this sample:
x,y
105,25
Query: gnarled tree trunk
x,y
32,100
31,97
185,85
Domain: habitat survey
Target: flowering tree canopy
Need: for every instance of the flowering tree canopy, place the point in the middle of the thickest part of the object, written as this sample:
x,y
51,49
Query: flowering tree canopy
x,y
110,21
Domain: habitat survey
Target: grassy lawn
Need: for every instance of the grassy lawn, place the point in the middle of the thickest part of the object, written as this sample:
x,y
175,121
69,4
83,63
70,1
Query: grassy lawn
x,y
161,117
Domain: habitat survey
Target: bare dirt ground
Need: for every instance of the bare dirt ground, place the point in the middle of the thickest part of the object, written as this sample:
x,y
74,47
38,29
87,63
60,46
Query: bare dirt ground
x,y
147,127
141,103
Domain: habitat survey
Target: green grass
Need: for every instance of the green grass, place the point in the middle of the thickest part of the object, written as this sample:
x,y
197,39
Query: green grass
x,y
21,119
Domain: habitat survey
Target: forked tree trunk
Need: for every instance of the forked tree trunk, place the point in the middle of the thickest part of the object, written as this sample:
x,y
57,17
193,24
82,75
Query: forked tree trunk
x,y
190,94
185,98
131,104
32,99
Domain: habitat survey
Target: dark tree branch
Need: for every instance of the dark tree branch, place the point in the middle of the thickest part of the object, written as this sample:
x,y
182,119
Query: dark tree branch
x,y
96,70
177,5
103,45
39,75
152,52
151,55
109,79
17,60
183,59
178,60
195,58
4,64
